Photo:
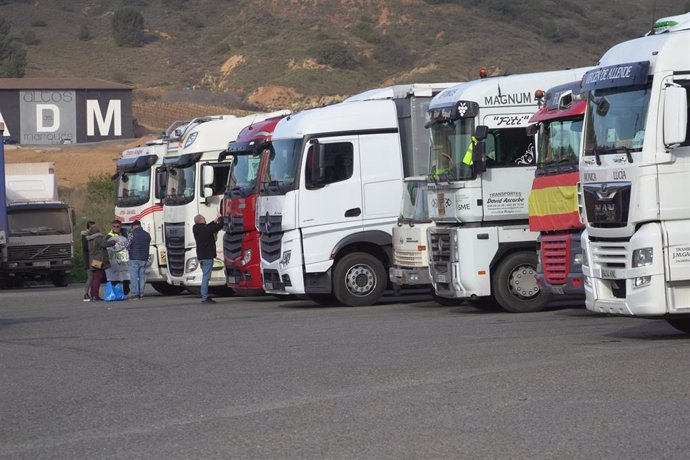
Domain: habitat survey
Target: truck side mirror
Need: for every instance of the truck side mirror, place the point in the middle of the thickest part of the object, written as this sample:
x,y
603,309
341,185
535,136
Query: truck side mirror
x,y
532,129
675,115
479,156
161,183
481,132
316,159
207,175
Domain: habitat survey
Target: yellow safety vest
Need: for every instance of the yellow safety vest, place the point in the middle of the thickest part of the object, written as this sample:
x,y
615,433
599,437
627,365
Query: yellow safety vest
x,y
467,159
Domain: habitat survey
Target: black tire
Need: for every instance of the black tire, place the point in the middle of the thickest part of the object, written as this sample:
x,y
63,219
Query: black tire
x,y
60,279
167,289
325,300
485,303
445,301
515,285
682,324
359,279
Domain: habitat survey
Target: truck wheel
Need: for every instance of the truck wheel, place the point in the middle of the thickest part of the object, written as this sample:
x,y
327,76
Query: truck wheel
x,y
60,279
167,289
515,284
682,324
359,279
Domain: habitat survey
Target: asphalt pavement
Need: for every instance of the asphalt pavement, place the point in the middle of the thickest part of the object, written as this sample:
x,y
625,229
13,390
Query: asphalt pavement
x,y
169,377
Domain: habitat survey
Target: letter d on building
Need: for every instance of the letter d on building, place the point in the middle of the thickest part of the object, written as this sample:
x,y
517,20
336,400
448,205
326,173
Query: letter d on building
x,y
42,116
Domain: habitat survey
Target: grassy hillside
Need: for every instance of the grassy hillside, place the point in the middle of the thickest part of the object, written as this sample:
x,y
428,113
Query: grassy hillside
x,y
312,51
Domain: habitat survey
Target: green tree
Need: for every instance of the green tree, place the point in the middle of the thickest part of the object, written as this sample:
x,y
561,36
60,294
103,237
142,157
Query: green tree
x,y
128,27
12,53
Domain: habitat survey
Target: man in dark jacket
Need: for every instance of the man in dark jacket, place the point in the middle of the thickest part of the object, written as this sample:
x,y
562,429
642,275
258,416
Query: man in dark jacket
x,y
138,244
86,259
205,236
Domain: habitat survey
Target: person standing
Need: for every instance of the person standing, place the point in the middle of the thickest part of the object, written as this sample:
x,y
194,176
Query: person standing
x,y
118,272
86,260
138,244
205,237
98,259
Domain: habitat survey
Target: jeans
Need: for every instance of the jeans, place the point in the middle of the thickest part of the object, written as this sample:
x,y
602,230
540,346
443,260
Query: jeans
x,y
206,268
137,277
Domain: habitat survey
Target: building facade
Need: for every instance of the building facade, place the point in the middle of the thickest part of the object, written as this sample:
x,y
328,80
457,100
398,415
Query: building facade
x,y
39,111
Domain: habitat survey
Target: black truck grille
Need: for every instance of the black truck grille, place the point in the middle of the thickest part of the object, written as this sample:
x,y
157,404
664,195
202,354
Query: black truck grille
x,y
607,203
271,235
39,252
439,247
232,245
174,245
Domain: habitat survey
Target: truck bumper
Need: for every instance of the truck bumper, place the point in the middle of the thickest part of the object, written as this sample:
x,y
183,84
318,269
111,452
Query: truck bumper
x,y
193,278
409,276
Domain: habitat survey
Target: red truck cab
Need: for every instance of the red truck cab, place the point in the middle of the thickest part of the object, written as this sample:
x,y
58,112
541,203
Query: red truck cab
x,y
241,240
553,203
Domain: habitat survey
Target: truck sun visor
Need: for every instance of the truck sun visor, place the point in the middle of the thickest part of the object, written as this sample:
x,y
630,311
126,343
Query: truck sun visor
x,y
632,73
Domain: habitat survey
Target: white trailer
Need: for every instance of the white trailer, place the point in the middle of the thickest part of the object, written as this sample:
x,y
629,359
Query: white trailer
x,y
482,166
634,170
333,192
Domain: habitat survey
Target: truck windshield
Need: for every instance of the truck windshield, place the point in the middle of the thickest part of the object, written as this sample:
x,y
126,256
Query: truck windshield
x,y
243,179
616,120
282,167
558,142
180,188
449,142
133,189
414,204
39,222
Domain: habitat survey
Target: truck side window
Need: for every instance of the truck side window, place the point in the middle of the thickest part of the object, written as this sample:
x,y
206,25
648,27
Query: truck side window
x,y
338,163
509,148
220,178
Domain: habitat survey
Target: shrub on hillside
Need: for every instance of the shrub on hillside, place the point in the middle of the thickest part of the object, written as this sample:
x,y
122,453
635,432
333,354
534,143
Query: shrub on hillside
x,y
12,53
128,27
85,33
38,23
335,55
29,38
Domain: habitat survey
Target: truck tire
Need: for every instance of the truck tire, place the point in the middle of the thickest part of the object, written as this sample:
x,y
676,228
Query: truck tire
x,y
359,279
680,323
167,289
60,279
515,285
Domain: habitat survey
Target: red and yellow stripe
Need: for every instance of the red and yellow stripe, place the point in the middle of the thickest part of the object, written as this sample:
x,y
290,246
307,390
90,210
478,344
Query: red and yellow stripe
x,y
552,203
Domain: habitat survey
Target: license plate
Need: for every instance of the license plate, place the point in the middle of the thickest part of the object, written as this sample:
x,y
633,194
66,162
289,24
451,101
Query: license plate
x,y
609,274
441,278
268,285
557,290
232,280
43,263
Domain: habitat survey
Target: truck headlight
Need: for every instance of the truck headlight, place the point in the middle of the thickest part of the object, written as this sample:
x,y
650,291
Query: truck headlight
x,y
190,140
578,259
246,257
285,260
642,257
192,264
642,281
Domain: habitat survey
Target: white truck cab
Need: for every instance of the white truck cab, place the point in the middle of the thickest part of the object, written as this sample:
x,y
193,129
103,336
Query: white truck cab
x,y
482,166
634,171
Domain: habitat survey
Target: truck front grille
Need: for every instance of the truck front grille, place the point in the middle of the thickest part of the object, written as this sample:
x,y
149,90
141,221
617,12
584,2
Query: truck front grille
x,y
439,245
175,247
271,236
39,252
555,258
409,258
232,239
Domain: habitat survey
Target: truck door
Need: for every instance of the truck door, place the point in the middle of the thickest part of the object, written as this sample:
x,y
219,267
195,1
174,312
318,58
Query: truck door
x,y
330,208
507,181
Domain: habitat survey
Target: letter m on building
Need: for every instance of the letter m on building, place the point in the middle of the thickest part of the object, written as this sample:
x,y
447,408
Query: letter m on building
x,y
94,116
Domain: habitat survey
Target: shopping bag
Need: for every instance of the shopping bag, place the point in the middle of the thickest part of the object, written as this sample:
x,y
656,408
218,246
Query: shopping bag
x,y
113,292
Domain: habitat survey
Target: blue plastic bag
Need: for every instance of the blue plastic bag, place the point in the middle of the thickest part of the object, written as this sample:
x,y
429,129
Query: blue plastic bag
x,y
113,292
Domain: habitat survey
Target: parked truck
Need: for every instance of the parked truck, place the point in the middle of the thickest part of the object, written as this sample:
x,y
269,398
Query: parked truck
x,y
195,184
331,195
553,205
482,165
634,172
241,239
140,189
38,242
